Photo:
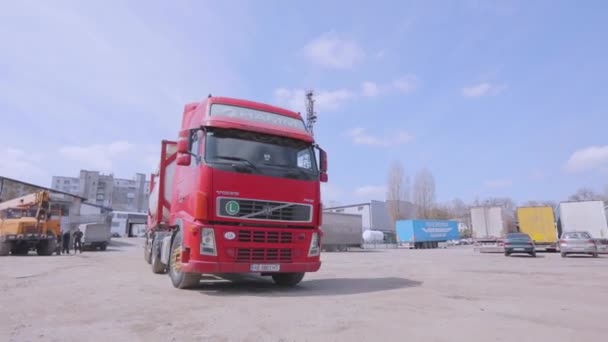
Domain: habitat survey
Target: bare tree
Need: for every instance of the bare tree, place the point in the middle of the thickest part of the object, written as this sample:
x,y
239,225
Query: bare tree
x,y
397,192
424,193
585,194
541,203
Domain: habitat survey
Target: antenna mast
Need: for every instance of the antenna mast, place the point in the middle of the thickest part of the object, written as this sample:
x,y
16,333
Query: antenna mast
x,y
311,115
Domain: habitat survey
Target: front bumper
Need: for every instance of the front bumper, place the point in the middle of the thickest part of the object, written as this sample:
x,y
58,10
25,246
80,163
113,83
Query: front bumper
x,y
578,250
195,266
519,250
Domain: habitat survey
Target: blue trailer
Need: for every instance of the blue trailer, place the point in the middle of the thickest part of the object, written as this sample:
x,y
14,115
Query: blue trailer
x,y
425,233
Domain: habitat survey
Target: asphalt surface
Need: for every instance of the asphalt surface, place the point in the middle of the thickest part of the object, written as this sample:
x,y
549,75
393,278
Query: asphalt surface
x,y
452,294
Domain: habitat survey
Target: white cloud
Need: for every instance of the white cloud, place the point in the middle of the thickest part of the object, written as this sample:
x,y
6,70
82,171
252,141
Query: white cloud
x,y
19,164
482,89
588,159
99,157
359,136
371,192
405,84
325,100
369,89
333,51
499,183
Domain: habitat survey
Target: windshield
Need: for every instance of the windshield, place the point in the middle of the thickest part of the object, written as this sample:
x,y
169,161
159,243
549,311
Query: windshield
x,y
518,237
577,235
258,153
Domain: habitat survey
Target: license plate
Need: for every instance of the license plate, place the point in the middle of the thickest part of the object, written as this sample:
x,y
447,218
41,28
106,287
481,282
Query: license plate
x,y
519,249
265,267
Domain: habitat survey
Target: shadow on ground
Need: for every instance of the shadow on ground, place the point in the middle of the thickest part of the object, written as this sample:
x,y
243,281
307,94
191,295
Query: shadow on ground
x,y
230,285
526,256
121,243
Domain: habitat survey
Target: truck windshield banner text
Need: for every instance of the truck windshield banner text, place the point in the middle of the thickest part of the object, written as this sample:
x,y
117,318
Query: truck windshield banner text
x,y
256,116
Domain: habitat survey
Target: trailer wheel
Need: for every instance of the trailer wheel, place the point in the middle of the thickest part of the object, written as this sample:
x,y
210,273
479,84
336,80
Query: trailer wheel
x,y
179,278
103,247
287,279
157,266
563,255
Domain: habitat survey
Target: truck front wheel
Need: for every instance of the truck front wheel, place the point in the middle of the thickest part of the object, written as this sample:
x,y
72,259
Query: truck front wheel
x,y
287,279
157,266
47,247
179,278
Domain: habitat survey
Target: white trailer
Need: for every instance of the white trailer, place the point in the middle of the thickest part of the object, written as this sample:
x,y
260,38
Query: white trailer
x,y
95,235
488,228
589,216
341,231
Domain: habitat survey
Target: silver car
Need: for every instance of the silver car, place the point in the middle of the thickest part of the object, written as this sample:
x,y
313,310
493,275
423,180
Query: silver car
x,y
579,242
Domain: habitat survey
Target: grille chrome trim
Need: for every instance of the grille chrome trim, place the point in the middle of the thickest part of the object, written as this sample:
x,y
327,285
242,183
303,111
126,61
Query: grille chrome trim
x,y
264,210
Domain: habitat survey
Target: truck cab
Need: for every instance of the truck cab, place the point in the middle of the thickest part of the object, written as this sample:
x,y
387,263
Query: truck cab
x,y
239,192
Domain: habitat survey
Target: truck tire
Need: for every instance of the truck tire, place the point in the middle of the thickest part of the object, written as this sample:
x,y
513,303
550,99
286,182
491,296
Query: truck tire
x,y
46,248
157,266
5,248
179,278
103,246
148,251
21,249
595,255
563,254
287,279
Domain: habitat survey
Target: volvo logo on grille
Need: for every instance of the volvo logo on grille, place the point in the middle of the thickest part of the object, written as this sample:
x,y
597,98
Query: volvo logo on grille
x,y
233,207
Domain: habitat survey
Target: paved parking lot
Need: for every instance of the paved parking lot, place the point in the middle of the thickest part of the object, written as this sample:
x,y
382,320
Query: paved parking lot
x,y
392,295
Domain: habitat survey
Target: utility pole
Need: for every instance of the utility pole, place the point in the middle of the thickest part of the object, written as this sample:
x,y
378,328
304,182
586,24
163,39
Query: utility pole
x,y
311,115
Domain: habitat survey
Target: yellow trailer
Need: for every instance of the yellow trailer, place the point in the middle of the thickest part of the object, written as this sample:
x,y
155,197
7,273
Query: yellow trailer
x,y
539,223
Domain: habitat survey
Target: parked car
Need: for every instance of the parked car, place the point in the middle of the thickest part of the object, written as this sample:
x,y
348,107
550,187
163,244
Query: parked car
x,y
602,246
577,242
519,243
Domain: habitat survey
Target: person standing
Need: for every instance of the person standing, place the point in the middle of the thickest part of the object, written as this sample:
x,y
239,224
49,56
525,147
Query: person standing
x,y
78,240
59,243
66,243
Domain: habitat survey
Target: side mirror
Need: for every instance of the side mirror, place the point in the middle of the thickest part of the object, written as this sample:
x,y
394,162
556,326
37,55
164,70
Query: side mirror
x,y
323,160
183,159
323,177
323,165
182,146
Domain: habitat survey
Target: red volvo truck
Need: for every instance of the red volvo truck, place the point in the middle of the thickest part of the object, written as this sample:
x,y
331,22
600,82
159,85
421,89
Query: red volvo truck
x,y
239,192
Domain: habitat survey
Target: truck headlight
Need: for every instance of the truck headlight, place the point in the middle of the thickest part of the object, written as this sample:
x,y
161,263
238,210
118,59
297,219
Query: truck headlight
x,y
314,245
208,242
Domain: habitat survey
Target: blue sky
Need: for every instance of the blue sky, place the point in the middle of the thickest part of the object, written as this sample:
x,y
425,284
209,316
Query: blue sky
x,y
494,98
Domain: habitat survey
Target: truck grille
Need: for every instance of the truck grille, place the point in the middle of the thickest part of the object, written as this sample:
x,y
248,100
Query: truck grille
x,y
30,229
264,236
263,255
263,210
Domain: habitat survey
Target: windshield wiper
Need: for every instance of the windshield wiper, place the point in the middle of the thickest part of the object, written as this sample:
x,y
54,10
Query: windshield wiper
x,y
242,160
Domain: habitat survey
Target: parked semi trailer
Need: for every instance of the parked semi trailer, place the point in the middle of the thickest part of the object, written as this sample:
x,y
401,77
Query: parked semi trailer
x,y
239,192
341,231
422,234
488,228
539,223
589,216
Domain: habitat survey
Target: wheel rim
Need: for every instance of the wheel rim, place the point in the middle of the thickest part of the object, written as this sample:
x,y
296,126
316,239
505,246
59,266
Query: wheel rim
x,y
177,259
